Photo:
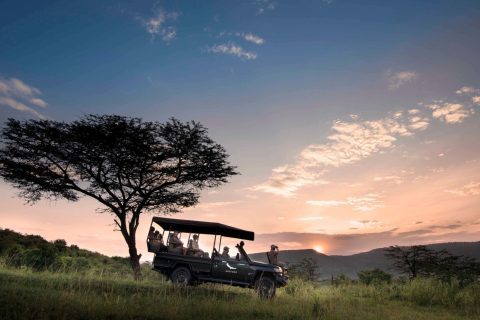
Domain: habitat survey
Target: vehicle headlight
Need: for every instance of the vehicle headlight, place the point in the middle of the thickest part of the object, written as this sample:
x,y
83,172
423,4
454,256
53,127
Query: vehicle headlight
x,y
278,270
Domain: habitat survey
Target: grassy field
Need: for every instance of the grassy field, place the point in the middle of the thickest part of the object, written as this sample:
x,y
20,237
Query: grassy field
x,y
44,295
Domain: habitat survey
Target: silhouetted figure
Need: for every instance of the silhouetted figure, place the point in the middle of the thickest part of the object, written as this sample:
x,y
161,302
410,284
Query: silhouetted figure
x,y
194,247
175,245
273,254
225,252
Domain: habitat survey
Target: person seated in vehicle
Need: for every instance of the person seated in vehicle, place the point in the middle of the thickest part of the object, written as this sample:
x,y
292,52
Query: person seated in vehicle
x,y
157,243
175,245
194,248
150,239
225,252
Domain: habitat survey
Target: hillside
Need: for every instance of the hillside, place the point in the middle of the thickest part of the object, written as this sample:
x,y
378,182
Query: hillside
x,y
351,264
18,250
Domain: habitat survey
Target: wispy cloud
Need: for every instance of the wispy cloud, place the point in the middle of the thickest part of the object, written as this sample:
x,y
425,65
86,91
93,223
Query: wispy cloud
x,y
362,203
253,38
467,90
157,25
312,218
17,95
207,206
264,5
398,79
249,37
353,140
450,112
390,179
470,189
233,50
349,142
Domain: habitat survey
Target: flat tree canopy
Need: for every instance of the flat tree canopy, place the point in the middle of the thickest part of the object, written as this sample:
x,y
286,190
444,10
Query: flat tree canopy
x,y
128,165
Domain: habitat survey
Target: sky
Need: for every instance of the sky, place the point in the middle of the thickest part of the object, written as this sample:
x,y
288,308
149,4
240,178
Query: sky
x,y
354,124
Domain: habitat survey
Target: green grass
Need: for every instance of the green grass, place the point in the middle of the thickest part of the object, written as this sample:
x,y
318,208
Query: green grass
x,y
44,295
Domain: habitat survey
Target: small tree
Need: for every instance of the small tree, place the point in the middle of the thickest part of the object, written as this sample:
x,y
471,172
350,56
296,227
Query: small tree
x,y
413,261
128,165
306,269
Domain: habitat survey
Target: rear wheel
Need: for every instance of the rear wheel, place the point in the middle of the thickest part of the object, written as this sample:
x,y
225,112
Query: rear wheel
x,y
181,276
265,287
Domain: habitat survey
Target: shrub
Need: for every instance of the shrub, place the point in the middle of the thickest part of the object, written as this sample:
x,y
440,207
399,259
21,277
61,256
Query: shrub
x,y
374,276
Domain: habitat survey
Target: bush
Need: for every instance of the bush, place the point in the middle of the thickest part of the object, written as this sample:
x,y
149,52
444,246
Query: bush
x,y
341,279
374,277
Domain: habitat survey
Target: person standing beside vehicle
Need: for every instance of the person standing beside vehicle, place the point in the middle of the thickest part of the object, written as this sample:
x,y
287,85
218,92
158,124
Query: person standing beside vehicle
x,y
273,254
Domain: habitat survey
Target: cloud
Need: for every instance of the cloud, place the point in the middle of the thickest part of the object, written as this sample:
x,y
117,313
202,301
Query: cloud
x,y
264,5
354,140
450,112
476,100
349,142
362,203
364,223
253,38
156,25
417,121
467,90
19,106
16,94
470,189
285,180
392,179
207,206
233,50
39,102
315,218
249,37
398,79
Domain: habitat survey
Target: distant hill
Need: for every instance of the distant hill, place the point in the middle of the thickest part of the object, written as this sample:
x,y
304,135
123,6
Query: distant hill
x,y
351,264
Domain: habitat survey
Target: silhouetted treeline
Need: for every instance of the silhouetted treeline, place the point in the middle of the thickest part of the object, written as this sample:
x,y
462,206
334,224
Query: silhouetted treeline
x,y
420,261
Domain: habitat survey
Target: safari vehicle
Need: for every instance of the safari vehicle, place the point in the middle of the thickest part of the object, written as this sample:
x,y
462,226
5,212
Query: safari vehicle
x,y
185,267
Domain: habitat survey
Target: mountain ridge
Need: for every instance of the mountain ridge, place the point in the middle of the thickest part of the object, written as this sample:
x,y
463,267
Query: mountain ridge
x,y
333,265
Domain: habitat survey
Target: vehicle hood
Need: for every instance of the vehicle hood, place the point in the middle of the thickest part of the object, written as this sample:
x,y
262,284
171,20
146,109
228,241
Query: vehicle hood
x,y
262,264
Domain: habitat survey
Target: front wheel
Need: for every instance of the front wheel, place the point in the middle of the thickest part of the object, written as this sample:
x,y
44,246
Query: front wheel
x,y
181,276
265,287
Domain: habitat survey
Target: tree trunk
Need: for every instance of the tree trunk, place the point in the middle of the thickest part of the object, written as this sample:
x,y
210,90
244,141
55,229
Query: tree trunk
x,y
134,259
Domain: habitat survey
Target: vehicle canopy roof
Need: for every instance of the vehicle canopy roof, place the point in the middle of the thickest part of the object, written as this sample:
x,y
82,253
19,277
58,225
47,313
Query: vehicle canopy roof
x,y
192,226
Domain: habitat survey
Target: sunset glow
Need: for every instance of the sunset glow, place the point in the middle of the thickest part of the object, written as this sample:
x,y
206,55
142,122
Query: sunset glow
x,y
349,133
319,249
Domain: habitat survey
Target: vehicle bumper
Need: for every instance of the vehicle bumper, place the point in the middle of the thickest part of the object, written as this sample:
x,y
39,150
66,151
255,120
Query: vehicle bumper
x,y
282,280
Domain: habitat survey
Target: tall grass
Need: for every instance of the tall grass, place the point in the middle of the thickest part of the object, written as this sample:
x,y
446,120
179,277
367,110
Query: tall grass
x,y
45,295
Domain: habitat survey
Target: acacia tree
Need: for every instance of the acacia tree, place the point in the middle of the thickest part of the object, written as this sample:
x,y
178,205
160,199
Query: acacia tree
x,y
413,261
128,165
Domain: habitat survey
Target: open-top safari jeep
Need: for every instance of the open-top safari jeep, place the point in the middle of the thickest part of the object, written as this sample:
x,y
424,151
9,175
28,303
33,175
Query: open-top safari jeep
x,y
188,266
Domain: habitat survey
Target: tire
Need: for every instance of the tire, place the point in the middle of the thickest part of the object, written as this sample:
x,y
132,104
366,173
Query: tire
x,y
181,276
265,287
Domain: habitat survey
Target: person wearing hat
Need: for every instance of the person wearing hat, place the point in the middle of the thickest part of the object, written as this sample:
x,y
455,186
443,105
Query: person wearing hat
x,y
225,254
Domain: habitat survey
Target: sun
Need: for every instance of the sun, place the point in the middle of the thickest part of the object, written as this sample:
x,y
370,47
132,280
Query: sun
x,y
319,248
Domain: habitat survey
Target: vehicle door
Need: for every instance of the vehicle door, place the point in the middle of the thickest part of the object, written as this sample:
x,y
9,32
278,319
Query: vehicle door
x,y
222,269
231,269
